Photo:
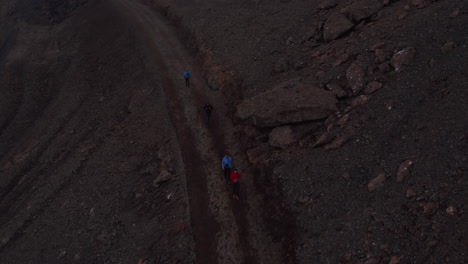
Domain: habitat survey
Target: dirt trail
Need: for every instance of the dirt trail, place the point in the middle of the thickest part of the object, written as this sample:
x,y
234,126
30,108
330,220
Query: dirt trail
x,y
219,225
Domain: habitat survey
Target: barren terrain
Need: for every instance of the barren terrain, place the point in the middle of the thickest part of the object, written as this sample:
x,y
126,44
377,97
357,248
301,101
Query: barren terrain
x,y
347,119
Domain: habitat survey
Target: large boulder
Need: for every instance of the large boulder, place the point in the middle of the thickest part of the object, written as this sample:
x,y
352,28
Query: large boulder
x,y
281,137
363,9
336,25
289,102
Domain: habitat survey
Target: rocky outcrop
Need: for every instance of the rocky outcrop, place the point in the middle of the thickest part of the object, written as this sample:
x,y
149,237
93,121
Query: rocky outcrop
x,y
289,102
336,25
363,9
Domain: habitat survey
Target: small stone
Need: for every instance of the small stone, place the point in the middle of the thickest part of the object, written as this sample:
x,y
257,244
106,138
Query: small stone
x,y
300,65
410,193
342,59
346,175
451,210
327,4
290,41
380,55
384,67
163,177
430,208
336,89
282,65
355,75
360,100
376,183
342,121
336,143
311,44
403,57
444,185
403,170
372,87
447,47
418,3
395,260
323,139
377,45
455,13
179,226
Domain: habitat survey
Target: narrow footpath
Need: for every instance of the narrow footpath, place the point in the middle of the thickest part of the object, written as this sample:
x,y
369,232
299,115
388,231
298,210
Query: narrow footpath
x,y
224,230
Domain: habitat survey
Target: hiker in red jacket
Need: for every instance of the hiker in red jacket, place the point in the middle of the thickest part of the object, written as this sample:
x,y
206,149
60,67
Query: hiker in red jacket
x,y
235,178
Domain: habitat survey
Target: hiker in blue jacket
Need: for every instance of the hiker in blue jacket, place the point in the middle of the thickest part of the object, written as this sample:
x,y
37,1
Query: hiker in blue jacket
x,y
227,164
187,78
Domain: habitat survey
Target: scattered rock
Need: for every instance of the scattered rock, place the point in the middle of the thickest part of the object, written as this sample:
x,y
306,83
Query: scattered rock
x,y
447,47
410,193
376,183
288,102
342,59
403,170
309,35
311,44
324,139
444,185
336,25
164,176
380,55
346,175
402,15
360,100
363,9
282,65
281,137
430,208
179,226
384,67
342,121
377,45
300,65
289,41
372,87
336,143
419,3
455,13
337,90
394,260
355,75
403,57
327,4
451,210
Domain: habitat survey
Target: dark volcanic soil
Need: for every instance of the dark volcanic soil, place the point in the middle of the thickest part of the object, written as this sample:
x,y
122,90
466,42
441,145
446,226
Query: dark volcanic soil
x,y
105,155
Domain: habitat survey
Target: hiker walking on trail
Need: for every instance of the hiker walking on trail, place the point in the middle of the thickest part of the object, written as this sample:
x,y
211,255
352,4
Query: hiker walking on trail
x,y
227,164
208,108
187,78
235,179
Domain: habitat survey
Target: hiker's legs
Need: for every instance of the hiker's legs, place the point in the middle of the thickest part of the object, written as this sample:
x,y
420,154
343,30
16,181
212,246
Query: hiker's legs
x,y
236,189
187,81
227,172
208,115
